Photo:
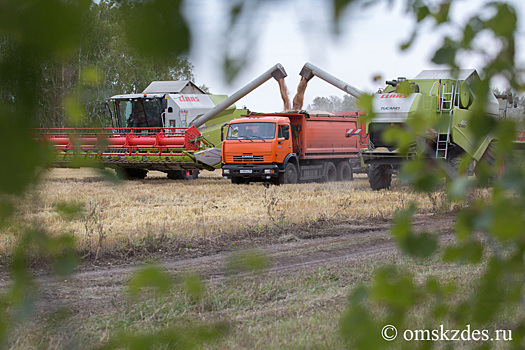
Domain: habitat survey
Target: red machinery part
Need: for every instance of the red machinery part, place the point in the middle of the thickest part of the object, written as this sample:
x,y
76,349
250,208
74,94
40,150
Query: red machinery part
x,y
191,134
146,139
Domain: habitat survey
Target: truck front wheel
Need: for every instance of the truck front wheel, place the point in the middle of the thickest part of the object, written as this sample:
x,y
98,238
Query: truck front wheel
x,y
290,175
380,176
239,181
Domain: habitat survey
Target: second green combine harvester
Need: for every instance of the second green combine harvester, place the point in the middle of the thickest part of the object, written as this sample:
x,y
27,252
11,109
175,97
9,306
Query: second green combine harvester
x,y
441,94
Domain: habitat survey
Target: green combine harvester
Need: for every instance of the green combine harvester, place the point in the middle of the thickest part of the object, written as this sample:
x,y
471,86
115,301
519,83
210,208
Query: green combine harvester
x,y
441,94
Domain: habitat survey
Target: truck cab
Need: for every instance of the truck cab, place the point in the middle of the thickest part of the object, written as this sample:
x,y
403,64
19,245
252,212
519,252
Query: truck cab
x,y
254,148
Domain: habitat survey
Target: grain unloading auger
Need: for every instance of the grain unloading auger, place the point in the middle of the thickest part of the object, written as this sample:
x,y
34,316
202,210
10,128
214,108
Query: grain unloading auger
x,y
172,127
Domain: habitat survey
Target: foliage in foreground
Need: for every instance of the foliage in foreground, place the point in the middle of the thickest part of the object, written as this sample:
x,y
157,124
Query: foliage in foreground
x,y
489,234
42,35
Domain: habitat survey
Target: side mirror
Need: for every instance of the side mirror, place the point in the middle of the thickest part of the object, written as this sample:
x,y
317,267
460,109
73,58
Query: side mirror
x,y
222,131
286,132
164,104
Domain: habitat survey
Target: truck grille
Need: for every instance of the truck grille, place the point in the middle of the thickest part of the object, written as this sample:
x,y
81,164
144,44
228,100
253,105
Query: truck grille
x,y
248,158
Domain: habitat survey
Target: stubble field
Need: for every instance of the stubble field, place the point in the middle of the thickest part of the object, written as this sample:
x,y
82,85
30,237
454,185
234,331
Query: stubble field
x,y
105,217
313,242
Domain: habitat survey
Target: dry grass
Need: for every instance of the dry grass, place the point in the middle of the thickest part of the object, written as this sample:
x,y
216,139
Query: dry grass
x,y
114,216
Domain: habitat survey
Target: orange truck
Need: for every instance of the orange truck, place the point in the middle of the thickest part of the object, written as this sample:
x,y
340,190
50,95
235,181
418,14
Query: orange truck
x,y
291,147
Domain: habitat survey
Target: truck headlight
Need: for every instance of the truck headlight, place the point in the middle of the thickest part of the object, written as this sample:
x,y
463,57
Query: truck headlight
x,y
268,171
225,171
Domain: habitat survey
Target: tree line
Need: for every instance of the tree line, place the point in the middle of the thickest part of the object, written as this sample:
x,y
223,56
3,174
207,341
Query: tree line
x,y
104,63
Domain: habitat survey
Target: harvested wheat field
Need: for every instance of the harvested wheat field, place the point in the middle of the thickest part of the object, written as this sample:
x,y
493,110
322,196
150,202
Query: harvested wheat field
x,y
312,242
104,216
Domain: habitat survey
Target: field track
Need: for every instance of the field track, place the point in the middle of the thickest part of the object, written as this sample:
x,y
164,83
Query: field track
x,y
96,289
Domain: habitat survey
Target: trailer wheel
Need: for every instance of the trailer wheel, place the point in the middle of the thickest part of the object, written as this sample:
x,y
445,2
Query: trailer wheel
x,y
330,172
344,171
131,173
380,176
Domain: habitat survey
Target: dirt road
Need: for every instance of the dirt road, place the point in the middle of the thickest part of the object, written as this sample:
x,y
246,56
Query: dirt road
x,y
98,289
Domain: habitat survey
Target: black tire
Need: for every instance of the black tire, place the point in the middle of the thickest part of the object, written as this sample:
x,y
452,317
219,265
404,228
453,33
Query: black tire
x,y
183,174
190,174
239,181
131,173
344,171
454,162
483,167
174,175
380,176
330,173
289,176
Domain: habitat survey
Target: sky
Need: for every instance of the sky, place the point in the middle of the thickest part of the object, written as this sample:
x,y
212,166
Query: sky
x,y
293,32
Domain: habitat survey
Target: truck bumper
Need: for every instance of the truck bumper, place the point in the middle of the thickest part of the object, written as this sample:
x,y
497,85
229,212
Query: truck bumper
x,y
252,172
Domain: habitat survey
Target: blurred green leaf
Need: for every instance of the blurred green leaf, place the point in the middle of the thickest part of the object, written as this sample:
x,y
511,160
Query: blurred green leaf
x,y
6,211
446,54
69,210
156,28
150,277
247,261
193,286
468,252
395,289
504,22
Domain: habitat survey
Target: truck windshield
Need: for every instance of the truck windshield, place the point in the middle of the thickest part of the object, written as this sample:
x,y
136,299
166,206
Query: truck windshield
x,y
248,131
138,113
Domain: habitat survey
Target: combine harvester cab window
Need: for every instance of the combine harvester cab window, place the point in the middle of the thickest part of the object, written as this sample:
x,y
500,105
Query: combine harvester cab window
x,y
247,131
139,113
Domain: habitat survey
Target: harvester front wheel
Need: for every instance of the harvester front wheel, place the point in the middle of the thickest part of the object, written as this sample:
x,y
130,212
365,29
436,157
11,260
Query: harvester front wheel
x,y
183,174
484,169
380,176
131,173
190,174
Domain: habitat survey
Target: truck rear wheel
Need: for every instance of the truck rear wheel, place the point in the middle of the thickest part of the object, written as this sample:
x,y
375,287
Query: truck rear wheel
x,y
380,176
330,172
131,173
344,171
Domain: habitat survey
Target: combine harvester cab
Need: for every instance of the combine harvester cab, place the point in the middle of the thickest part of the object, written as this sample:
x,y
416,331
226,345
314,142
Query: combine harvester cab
x,y
172,126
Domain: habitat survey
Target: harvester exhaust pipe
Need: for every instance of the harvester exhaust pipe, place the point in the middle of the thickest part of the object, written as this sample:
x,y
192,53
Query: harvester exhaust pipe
x,y
277,72
309,71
